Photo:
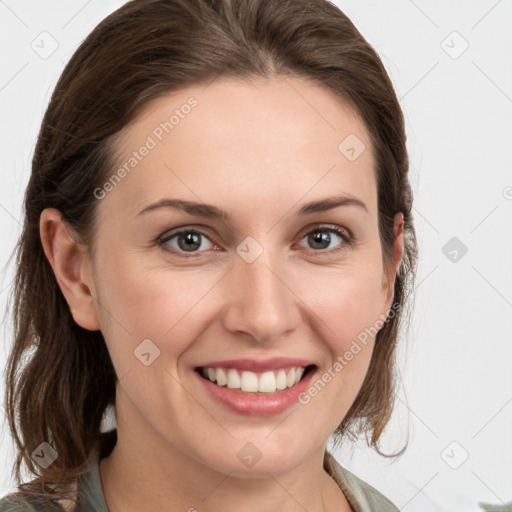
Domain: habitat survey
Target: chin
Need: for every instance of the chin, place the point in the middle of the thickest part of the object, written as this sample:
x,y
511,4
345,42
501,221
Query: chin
x,y
249,461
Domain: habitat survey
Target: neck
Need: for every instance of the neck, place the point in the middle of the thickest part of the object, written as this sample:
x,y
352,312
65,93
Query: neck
x,y
148,475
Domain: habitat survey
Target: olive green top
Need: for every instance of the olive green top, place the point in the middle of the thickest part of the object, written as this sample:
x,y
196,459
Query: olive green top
x,y
361,496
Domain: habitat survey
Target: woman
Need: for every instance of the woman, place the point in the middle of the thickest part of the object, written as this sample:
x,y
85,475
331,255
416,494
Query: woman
x,y
218,243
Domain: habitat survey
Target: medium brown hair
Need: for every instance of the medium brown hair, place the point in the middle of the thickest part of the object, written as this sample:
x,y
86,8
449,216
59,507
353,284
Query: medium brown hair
x,y
60,378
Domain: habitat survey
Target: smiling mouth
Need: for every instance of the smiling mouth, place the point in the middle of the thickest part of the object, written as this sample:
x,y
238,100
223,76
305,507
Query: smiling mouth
x,y
255,383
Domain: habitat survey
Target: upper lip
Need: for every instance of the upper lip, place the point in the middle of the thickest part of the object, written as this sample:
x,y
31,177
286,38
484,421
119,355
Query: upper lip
x,y
254,365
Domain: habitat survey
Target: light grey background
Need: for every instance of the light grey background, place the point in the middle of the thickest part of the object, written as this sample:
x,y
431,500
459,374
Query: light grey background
x,y
455,399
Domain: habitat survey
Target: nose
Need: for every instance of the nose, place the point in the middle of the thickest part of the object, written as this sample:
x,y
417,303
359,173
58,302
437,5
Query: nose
x,y
261,303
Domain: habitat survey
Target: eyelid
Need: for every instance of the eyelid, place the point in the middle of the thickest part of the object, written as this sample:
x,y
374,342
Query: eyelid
x,y
341,230
202,230
348,240
344,233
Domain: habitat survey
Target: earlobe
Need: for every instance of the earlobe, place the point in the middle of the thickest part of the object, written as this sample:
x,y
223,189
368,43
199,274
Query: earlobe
x,y
399,241
398,250
71,267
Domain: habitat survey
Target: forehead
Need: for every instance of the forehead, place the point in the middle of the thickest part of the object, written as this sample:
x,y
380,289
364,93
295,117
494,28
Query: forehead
x,y
283,136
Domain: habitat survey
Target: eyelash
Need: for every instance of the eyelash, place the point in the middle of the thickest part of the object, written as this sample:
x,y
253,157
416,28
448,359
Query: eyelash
x,y
344,234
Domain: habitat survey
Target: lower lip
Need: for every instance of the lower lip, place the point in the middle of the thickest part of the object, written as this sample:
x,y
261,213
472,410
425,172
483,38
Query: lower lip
x,y
257,405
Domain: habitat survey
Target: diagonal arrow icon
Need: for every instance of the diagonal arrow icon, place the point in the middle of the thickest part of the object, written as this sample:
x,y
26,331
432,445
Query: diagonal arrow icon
x,y
147,352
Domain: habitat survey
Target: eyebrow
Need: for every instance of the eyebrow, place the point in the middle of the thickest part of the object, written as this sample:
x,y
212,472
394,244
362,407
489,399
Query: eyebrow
x,y
213,212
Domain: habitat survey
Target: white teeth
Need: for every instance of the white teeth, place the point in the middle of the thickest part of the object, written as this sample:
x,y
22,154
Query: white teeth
x,y
220,377
267,382
233,379
290,380
250,382
281,380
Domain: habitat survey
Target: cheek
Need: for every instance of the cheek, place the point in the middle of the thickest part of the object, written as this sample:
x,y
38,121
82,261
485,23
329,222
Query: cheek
x,y
164,306
346,324
172,307
346,303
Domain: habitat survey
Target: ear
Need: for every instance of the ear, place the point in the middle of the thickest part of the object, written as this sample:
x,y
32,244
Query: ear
x,y
389,275
72,267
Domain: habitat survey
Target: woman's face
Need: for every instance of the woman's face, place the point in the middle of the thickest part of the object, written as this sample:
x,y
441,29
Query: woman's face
x,y
251,295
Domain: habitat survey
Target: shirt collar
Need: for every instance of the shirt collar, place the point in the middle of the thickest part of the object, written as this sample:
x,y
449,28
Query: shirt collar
x,y
92,498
